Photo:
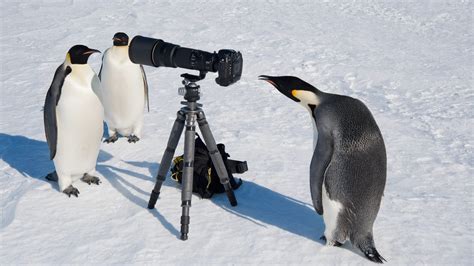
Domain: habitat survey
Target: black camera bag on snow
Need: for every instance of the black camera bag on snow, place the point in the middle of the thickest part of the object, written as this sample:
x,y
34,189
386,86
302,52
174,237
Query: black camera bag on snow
x,y
206,182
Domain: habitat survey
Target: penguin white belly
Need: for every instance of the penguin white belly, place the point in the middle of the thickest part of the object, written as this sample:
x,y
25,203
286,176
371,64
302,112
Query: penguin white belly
x,y
331,210
123,94
79,115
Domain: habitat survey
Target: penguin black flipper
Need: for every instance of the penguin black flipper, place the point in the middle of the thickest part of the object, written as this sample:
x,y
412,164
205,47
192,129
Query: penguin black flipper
x,y
101,65
52,99
145,83
320,162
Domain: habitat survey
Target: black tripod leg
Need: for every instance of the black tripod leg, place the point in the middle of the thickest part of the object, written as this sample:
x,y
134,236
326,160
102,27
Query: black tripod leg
x,y
188,170
173,140
216,157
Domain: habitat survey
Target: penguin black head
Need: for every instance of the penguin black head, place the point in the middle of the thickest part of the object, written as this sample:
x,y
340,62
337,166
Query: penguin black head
x,y
294,88
78,54
120,39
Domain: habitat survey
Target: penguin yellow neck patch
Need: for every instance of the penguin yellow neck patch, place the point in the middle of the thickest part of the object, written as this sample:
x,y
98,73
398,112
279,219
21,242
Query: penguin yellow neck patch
x,y
306,97
294,93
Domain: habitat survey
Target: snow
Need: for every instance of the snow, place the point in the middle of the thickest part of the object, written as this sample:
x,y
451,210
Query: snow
x,y
411,63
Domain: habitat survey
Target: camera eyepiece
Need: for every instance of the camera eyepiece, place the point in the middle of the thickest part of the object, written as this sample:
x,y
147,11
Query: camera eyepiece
x,y
156,52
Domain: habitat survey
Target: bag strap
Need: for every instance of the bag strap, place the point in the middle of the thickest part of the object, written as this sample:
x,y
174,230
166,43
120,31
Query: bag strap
x,y
237,167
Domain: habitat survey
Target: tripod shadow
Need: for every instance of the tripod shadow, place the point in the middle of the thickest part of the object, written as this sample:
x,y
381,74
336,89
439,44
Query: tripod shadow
x,y
125,187
263,206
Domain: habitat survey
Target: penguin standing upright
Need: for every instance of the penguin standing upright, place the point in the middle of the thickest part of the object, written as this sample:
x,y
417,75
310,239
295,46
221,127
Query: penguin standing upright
x,y
124,91
348,167
73,117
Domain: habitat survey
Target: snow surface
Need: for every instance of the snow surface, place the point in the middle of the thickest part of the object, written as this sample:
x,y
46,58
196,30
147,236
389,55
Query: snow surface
x,y
410,62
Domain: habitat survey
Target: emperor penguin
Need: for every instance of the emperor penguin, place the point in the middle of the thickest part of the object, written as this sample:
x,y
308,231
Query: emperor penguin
x,y
348,167
73,121
124,91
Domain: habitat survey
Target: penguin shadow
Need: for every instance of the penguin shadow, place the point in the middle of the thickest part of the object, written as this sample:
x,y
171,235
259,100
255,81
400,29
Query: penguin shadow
x,y
29,157
126,188
105,135
262,207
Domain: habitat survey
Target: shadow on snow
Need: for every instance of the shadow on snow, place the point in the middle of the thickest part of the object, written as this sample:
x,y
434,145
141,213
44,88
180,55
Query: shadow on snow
x,y
263,206
257,204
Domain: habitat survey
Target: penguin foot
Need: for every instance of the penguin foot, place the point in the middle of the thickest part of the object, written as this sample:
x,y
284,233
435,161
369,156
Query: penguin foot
x,y
53,176
373,255
71,191
89,179
331,243
133,138
111,139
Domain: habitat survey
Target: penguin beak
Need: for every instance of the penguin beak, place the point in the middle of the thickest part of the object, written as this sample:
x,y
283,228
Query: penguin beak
x,y
279,84
91,51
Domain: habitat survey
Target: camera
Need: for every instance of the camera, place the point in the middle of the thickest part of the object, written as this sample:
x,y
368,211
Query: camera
x,y
155,52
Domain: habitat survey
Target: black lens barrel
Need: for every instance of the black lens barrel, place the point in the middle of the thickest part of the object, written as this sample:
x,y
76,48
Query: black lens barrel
x,y
155,52
195,59
141,50
164,54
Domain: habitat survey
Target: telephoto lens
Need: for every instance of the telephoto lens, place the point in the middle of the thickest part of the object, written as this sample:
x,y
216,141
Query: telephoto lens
x,y
155,52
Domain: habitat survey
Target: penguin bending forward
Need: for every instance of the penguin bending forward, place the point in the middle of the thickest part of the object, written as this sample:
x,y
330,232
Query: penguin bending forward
x,y
73,121
124,91
348,167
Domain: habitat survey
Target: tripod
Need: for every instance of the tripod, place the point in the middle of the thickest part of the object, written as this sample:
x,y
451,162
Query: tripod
x,y
187,116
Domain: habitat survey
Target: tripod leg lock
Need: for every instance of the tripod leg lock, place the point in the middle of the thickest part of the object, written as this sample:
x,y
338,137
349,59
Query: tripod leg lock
x,y
186,203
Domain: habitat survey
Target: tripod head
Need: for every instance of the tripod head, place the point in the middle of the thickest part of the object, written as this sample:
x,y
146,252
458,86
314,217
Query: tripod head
x,y
191,90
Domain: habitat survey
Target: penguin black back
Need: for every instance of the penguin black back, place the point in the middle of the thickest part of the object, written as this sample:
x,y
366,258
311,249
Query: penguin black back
x,y
49,112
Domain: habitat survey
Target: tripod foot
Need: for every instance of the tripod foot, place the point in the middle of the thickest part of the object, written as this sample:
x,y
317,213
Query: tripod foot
x,y
185,219
230,195
232,199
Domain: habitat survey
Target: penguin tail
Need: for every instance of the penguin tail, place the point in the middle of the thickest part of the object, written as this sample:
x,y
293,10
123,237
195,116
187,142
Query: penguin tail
x,y
367,246
53,176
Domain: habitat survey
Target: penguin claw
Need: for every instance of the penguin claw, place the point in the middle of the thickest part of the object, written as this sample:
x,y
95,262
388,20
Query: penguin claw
x,y
133,138
111,139
373,255
89,179
71,191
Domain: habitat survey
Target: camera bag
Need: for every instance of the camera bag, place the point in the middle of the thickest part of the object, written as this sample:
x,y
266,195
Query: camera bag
x,y
206,182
